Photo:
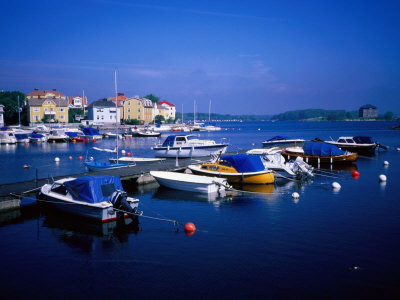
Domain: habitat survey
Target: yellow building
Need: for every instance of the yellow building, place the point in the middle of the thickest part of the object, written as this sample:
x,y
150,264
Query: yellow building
x,y
132,109
147,112
47,103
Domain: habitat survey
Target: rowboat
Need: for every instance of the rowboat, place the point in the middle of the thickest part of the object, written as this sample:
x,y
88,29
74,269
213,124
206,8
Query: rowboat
x,y
320,153
190,182
136,160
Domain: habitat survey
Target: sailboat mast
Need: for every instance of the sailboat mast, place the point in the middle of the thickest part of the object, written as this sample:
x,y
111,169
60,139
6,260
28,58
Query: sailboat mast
x,y
182,114
194,112
209,111
116,111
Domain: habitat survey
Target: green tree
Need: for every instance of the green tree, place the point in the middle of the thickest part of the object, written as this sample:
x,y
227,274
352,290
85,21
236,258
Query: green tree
x,y
388,116
72,112
132,122
152,97
159,119
10,102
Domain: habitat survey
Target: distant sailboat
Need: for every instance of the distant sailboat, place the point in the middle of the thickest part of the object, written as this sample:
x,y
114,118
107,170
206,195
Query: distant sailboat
x,y
209,126
96,166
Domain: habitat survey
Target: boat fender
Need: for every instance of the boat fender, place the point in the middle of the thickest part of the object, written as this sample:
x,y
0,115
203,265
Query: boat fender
x,y
336,186
385,163
382,178
295,195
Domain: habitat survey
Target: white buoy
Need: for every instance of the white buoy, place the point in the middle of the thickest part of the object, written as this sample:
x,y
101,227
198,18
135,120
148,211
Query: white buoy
x,y
91,158
336,185
259,129
385,163
123,151
57,159
295,195
382,178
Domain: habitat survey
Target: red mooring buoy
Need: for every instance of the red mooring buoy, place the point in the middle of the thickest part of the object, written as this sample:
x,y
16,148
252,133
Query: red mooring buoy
x,y
128,154
80,157
70,157
355,174
189,227
26,143
94,140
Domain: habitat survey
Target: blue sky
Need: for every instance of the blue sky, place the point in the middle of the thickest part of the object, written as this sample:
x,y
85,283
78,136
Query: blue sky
x,y
248,57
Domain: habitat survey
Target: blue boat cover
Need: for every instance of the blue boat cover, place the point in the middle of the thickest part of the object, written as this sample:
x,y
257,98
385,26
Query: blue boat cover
x,y
36,135
245,163
169,141
363,139
278,138
21,136
90,131
93,188
4,128
321,149
71,134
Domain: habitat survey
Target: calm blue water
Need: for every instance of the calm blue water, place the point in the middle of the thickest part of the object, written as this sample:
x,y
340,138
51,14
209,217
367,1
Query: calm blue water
x,y
326,245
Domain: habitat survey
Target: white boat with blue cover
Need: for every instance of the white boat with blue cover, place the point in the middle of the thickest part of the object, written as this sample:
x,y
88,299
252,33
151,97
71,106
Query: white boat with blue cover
x,y
188,146
98,197
190,182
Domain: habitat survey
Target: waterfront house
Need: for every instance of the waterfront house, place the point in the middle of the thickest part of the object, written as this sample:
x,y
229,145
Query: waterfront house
x,y
133,108
147,111
103,112
77,102
168,110
368,111
51,104
121,98
1,115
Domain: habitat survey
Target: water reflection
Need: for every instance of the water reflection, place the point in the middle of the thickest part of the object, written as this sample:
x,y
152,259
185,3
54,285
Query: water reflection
x,y
163,193
84,233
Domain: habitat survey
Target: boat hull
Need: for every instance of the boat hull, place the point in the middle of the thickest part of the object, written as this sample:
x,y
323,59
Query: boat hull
x,y
189,182
98,166
187,152
263,177
315,159
135,160
360,148
283,143
94,212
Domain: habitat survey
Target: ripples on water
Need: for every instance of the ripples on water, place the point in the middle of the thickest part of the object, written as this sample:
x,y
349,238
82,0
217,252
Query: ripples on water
x,y
323,245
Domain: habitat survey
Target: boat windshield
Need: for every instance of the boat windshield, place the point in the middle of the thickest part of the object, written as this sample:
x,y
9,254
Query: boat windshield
x,y
191,137
350,141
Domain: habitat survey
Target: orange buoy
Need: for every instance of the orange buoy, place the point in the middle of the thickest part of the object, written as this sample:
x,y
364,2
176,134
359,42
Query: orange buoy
x,y
70,157
128,154
189,227
80,158
74,141
94,140
355,174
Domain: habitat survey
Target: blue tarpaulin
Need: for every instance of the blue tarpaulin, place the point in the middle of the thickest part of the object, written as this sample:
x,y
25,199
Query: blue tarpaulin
x,y
244,163
277,138
90,131
36,135
321,149
92,188
71,134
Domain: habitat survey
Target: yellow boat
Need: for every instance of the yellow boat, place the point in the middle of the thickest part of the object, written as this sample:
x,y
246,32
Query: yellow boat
x,y
237,169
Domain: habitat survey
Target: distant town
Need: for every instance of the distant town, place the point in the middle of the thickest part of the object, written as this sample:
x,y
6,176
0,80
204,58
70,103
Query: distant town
x,y
52,106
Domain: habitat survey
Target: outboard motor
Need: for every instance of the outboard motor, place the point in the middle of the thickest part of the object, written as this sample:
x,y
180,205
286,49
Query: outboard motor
x,y
118,200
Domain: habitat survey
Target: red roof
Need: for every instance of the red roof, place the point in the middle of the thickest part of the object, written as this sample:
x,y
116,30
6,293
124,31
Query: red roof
x,y
120,97
43,93
165,102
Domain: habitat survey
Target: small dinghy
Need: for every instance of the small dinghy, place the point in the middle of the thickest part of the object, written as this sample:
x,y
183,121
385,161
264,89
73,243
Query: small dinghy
x,y
98,197
135,160
190,182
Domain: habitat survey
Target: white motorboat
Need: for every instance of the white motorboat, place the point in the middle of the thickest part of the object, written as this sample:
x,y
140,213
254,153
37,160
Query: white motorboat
x,y
37,138
282,142
188,146
190,182
7,137
359,144
112,135
146,133
57,136
210,128
273,160
136,160
98,197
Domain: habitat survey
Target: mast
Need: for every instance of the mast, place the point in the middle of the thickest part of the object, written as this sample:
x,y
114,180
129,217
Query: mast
x,y
116,111
182,114
209,111
19,114
194,112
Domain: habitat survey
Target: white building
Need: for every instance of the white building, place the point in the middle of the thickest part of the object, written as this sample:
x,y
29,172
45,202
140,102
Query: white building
x,y
1,115
168,110
103,112
77,102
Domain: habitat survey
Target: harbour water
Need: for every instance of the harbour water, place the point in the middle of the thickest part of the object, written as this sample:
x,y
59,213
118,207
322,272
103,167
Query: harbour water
x,y
327,244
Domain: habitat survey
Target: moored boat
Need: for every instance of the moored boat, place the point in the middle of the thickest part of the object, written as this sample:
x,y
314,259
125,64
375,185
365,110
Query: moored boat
x,y
57,136
91,133
7,137
320,153
97,197
190,182
146,133
282,142
188,146
237,169
359,144
135,160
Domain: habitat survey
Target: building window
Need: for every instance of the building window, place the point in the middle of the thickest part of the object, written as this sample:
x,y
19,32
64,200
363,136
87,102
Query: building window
x,y
138,110
48,102
62,109
129,110
62,117
36,109
98,117
129,102
36,117
110,117
129,117
46,109
102,117
52,108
